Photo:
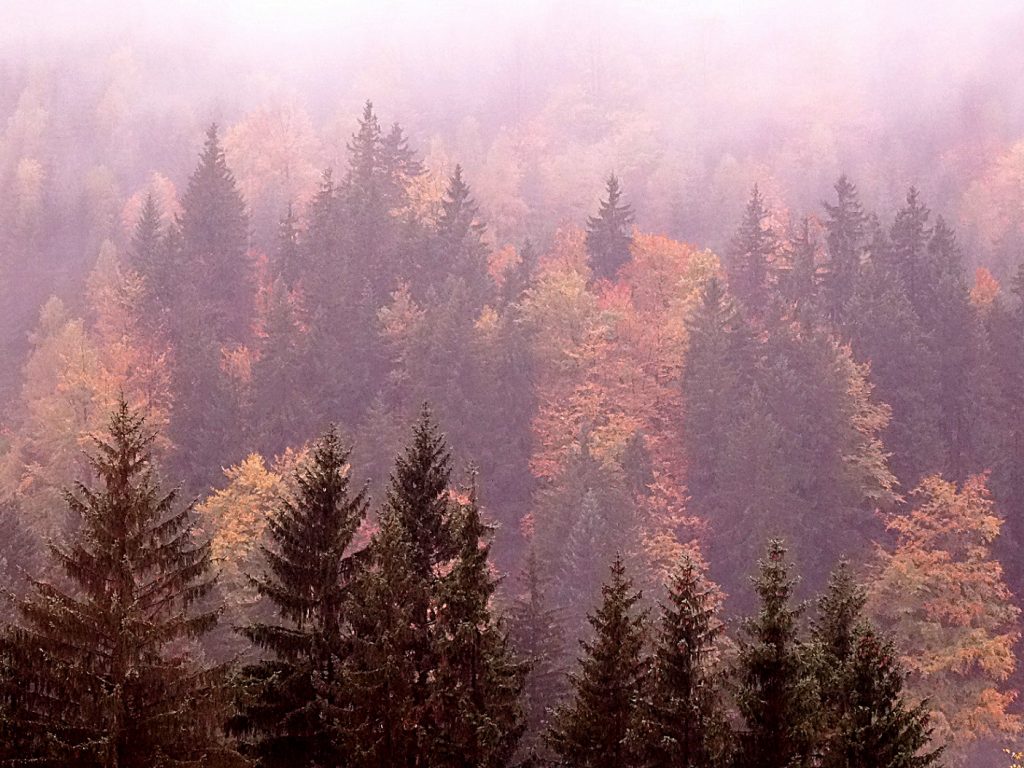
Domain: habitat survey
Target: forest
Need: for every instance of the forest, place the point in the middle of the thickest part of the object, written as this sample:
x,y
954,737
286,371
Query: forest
x,y
538,427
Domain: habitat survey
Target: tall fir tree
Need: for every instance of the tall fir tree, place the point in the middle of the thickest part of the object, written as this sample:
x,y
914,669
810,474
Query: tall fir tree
x,y
752,257
776,694
599,726
610,233
537,634
289,698
907,257
215,234
866,719
685,725
846,228
100,674
461,252
475,714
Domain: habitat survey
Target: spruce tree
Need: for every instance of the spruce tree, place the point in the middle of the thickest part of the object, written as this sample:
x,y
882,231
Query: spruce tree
x,y
148,256
474,713
215,233
865,718
99,674
776,693
846,228
461,250
599,726
537,635
387,654
907,258
610,233
879,728
752,257
685,723
311,567
20,548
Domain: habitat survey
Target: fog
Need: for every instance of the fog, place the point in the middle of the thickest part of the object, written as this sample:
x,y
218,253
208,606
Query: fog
x,y
669,280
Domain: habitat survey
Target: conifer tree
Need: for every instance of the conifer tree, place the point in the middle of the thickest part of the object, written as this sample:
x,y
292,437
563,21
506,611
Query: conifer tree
x,y
215,234
878,728
866,720
399,167
685,724
717,374
475,715
20,549
598,727
461,250
776,694
288,258
537,636
148,256
752,257
610,233
283,717
799,284
907,258
100,675
846,228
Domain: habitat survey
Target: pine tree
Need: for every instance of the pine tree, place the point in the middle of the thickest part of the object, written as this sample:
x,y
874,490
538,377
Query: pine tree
x,y
686,726
878,729
461,250
598,726
776,695
399,167
610,233
215,234
288,258
100,676
907,258
537,635
395,657
846,228
752,257
717,374
799,283
866,720
148,256
20,548
475,715
311,569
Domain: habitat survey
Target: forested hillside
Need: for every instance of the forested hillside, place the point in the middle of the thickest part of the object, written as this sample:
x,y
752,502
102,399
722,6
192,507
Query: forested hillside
x,y
322,445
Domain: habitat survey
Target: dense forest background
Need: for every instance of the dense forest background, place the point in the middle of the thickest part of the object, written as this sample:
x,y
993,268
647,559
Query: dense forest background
x,y
672,284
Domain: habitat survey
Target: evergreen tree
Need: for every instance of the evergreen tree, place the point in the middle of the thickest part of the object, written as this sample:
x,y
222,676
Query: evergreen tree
x,y
215,234
799,283
283,717
776,694
865,719
752,257
399,166
846,228
387,654
20,549
475,715
907,258
99,675
717,374
878,729
610,233
537,635
148,256
598,726
461,250
686,726
288,259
